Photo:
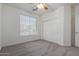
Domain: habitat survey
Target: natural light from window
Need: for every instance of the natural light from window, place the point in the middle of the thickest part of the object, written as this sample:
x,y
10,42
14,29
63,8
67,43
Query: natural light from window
x,y
27,25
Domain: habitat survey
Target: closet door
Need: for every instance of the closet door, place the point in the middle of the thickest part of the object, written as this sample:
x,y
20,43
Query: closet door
x,y
51,30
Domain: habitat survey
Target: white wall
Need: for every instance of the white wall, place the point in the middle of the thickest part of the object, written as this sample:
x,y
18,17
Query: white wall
x,y
58,26
77,25
11,26
53,26
67,25
0,24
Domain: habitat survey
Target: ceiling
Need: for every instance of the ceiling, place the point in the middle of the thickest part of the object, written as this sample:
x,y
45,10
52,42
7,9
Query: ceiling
x,y
29,7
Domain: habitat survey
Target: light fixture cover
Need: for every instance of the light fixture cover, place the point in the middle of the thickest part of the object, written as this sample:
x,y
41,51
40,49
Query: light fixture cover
x,y
40,6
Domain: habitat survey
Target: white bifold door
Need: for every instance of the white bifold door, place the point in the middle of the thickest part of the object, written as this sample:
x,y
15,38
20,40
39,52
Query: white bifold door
x,y
77,26
52,31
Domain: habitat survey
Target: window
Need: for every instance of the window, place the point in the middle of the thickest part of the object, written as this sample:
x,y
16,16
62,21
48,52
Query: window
x,y
27,25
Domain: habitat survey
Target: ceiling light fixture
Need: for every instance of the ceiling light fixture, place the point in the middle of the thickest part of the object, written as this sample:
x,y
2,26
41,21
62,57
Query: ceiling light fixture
x,y
40,6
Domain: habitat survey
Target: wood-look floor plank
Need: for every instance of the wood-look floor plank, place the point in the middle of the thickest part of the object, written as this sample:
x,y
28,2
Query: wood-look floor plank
x,y
39,48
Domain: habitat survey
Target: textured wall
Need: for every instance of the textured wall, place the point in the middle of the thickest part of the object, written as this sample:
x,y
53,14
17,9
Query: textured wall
x,y
11,26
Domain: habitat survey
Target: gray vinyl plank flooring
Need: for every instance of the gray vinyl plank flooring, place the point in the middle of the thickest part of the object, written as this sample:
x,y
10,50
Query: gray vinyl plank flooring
x,y
39,48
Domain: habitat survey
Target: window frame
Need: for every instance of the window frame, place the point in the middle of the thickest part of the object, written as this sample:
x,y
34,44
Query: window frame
x,y
29,22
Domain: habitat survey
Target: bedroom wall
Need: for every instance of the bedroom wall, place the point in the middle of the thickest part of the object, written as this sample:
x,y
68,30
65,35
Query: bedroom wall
x,y
0,24
67,25
56,28
11,26
59,27
77,25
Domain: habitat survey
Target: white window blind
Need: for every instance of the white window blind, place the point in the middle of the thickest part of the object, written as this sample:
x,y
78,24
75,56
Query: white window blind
x,y
27,25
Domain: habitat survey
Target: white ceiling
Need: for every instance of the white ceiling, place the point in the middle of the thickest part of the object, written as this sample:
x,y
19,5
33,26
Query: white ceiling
x,y
29,7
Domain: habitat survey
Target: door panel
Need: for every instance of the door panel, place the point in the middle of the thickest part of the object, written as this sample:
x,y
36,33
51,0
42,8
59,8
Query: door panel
x,y
77,27
52,31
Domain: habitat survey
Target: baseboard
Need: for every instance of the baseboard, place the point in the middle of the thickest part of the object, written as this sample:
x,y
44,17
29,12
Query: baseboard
x,y
53,42
50,42
21,43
